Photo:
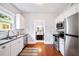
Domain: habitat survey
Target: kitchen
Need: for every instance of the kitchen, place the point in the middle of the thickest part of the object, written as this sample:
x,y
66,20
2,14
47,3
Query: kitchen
x,y
23,24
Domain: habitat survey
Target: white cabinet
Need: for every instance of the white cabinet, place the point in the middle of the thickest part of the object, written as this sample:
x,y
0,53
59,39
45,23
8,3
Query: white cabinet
x,y
16,46
61,45
20,22
5,50
12,48
77,7
20,44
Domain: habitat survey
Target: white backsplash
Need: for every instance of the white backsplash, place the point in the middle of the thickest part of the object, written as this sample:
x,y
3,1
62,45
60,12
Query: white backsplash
x,y
3,34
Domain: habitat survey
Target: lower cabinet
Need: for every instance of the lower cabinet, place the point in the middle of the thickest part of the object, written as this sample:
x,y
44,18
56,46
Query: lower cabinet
x,y
62,48
16,46
5,50
20,44
61,45
12,48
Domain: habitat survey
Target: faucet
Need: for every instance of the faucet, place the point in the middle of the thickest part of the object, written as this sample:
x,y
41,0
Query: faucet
x,y
8,34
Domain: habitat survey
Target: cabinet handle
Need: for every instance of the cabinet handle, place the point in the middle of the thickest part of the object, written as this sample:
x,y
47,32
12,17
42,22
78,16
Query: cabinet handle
x,y
3,47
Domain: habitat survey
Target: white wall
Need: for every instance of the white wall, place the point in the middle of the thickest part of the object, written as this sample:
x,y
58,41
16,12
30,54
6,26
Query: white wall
x,y
72,9
47,19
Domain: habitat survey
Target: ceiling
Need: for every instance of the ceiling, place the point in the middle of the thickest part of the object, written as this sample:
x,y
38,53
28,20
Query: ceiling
x,y
41,8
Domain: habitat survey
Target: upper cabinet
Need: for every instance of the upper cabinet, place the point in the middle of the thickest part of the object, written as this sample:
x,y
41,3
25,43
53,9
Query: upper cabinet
x,y
77,7
20,22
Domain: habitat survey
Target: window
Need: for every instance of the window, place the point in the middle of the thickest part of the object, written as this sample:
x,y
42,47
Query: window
x,y
7,19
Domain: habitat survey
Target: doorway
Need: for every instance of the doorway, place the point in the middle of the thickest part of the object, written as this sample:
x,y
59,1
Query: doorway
x,y
40,33
39,30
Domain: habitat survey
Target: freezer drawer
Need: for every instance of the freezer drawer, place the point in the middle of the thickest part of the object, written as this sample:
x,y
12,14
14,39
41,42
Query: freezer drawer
x,y
71,46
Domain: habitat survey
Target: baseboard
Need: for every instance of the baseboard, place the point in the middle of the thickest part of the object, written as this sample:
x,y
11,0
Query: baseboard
x,y
39,40
48,43
31,43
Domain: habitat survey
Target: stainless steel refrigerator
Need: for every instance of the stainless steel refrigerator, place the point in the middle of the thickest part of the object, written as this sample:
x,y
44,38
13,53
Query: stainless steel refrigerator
x,y
71,35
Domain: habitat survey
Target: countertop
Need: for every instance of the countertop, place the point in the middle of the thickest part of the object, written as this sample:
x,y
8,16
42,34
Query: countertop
x,y
7,40
57,35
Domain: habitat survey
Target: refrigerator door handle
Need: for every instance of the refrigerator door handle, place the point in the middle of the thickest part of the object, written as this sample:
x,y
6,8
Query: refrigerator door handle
x,y
72,35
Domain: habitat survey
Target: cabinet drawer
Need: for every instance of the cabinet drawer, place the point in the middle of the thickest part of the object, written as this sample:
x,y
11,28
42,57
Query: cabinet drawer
x,y
5,50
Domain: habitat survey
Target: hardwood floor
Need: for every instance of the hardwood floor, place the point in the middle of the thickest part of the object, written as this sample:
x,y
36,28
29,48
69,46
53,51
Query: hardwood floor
x,y
43,49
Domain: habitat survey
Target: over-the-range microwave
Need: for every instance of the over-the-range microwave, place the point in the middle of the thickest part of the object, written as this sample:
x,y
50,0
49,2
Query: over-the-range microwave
x,y
60,25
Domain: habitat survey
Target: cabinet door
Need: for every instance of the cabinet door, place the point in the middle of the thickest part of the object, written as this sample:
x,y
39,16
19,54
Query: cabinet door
x,y
20,44
62,49
20,20
61,45
14,48
5,50
77,7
